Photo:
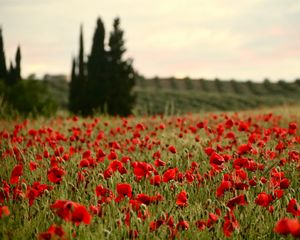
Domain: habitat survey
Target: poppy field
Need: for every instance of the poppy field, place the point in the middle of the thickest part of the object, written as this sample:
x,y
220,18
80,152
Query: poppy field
x,y
210,176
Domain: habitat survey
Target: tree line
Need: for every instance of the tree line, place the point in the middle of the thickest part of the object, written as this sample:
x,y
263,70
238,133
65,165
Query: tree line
x,y
103,82
21,97
12,75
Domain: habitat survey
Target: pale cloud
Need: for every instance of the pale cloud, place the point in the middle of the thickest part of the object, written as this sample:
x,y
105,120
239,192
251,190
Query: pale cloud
x,y
199,38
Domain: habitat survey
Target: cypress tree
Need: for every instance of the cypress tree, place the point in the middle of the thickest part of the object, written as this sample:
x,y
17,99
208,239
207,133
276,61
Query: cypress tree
x,y
18,65
81,88
97,82
10,79
3,70
81,65
73,89
14,73
121,74
77,94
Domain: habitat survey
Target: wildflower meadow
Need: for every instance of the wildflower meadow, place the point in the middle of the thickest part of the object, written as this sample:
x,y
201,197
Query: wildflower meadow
x,y
210,176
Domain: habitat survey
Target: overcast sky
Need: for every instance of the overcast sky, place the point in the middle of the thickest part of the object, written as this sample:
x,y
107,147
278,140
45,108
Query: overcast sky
x,y
248,39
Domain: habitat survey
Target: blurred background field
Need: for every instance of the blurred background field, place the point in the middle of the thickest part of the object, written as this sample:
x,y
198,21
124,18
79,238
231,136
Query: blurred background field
x,y
187,95
176,96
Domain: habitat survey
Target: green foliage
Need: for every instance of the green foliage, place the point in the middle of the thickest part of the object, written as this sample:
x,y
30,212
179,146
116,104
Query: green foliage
x,y
5,109
173,83
204,85
157,83
107,85
218,85
14,73
58,89
97,87
254,89
3,70
188,83
78,98
140,81
151,101
120,73
30,97
268,86
18,64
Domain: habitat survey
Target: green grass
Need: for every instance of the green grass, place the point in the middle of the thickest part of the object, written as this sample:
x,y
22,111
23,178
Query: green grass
x,y
256,222
172,95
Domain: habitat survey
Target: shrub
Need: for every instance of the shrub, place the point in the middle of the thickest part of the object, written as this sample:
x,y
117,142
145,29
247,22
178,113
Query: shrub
x,y
30,97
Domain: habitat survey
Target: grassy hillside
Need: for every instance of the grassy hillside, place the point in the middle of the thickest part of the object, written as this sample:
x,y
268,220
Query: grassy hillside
x,y
59,90
171,95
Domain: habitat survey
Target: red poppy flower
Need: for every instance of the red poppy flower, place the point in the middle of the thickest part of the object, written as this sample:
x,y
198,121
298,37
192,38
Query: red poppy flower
x,y
293,207
182,225
284,183
154,225
287,226
156,155
213,217
172,149
244,148
292,128
229,123
80,214
52,232
182,198
170,221
239,200
224,186
159,163
105,194
155,180
141,169
263,199
112,155
46,154
280,146
230,224
4,211
123,189
100,154
55,174
170,174
32,165
117,166
200,125
201,225
108,173
84,163
87,154
35,191
96,210
63,208
209,151
143,198
16,173
216,159
278,193
243,126
71,211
